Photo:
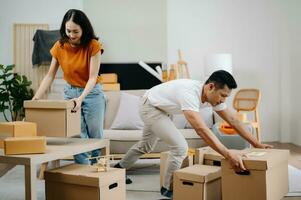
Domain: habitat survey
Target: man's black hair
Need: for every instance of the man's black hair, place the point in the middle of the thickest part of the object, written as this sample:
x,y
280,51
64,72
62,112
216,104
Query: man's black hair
x,y
221,78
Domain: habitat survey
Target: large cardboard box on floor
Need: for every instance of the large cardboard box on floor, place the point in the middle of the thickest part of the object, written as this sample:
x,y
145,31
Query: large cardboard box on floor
x,y
16,129
53,117
188,161
266,178
77,182
197,182
24,145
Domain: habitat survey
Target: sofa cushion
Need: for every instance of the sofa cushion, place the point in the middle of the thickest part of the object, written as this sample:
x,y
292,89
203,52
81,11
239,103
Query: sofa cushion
x,y
127,116
112,104
135,135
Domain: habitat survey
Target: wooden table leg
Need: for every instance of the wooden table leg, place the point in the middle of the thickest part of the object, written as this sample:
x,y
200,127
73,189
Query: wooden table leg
x,y
5,167
106,150
43,168
30,182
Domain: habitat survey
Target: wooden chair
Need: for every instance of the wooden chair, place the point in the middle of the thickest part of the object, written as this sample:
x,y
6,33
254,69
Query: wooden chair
x,y
247,100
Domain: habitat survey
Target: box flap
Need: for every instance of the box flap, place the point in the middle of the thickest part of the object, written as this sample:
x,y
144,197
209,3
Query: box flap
x,y
84,175
199,173
261,159
51,104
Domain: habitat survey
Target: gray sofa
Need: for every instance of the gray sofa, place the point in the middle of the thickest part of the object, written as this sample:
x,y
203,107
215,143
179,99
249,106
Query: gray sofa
x,y
122,139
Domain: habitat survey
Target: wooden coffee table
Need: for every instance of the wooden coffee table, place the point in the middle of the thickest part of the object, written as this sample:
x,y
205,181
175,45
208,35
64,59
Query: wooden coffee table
x,y
57,149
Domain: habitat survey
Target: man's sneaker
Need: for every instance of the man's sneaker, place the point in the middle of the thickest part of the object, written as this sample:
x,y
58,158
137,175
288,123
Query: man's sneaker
x,y
165,192
127,179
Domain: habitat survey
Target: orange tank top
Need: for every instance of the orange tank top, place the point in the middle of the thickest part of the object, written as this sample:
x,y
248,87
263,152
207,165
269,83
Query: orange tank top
x,y
75,61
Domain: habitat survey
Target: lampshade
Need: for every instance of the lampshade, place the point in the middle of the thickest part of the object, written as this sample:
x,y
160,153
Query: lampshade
x,y
218,62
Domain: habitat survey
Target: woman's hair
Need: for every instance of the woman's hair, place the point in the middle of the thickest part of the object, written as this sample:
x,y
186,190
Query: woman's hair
x,y
81,19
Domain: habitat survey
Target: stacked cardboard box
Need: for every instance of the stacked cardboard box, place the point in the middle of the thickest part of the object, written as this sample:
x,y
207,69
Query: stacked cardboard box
x,y
77,182
20,138
207,156
24,145
54,118
16,129
109,81
188,161
197,182
266,178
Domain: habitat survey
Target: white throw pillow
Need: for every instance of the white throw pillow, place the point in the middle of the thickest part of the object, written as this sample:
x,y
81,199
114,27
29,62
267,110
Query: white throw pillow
x,y
127,116
207,116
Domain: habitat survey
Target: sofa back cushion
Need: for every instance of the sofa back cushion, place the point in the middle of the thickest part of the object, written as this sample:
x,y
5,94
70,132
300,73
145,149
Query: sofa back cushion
x,y
112,104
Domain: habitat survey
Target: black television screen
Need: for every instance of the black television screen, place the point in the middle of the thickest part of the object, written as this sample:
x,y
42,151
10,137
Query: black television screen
x,y
131,76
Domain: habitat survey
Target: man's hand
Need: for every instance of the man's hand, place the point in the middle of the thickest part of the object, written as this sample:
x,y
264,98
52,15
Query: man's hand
x,y
236,161
263,146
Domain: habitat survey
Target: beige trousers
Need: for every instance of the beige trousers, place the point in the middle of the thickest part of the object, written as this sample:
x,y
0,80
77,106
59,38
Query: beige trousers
x,y
157,124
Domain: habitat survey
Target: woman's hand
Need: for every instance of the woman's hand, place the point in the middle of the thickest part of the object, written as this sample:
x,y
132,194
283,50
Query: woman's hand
x,y
77,104
35,98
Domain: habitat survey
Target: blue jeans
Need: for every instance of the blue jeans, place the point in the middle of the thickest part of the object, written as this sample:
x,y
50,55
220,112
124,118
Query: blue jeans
x,y
92,116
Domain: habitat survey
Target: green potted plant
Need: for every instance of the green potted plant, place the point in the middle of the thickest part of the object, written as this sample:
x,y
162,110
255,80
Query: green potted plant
x,y
14,89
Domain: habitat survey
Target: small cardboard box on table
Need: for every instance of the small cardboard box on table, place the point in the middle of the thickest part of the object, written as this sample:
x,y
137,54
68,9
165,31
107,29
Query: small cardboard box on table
x,y
24,145
53,117
197,182
188,161
109,78
77,182
266,178
16,129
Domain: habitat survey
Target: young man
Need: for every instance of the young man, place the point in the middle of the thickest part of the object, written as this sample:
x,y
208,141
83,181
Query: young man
x,y
187,97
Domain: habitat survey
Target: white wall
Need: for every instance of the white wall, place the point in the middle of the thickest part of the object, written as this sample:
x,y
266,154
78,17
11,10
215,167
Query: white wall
x,y
130,30
29,11
293,21
263,37
252,31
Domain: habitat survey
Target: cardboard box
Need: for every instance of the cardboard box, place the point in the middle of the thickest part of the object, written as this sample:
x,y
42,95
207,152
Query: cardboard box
x,y
24,145
18,129
188,161
53,117
266,178
207,156
108,78
197,182
77,182
111,87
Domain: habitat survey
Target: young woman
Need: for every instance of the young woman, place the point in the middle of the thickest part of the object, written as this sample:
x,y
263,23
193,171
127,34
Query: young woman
x,y
78,54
